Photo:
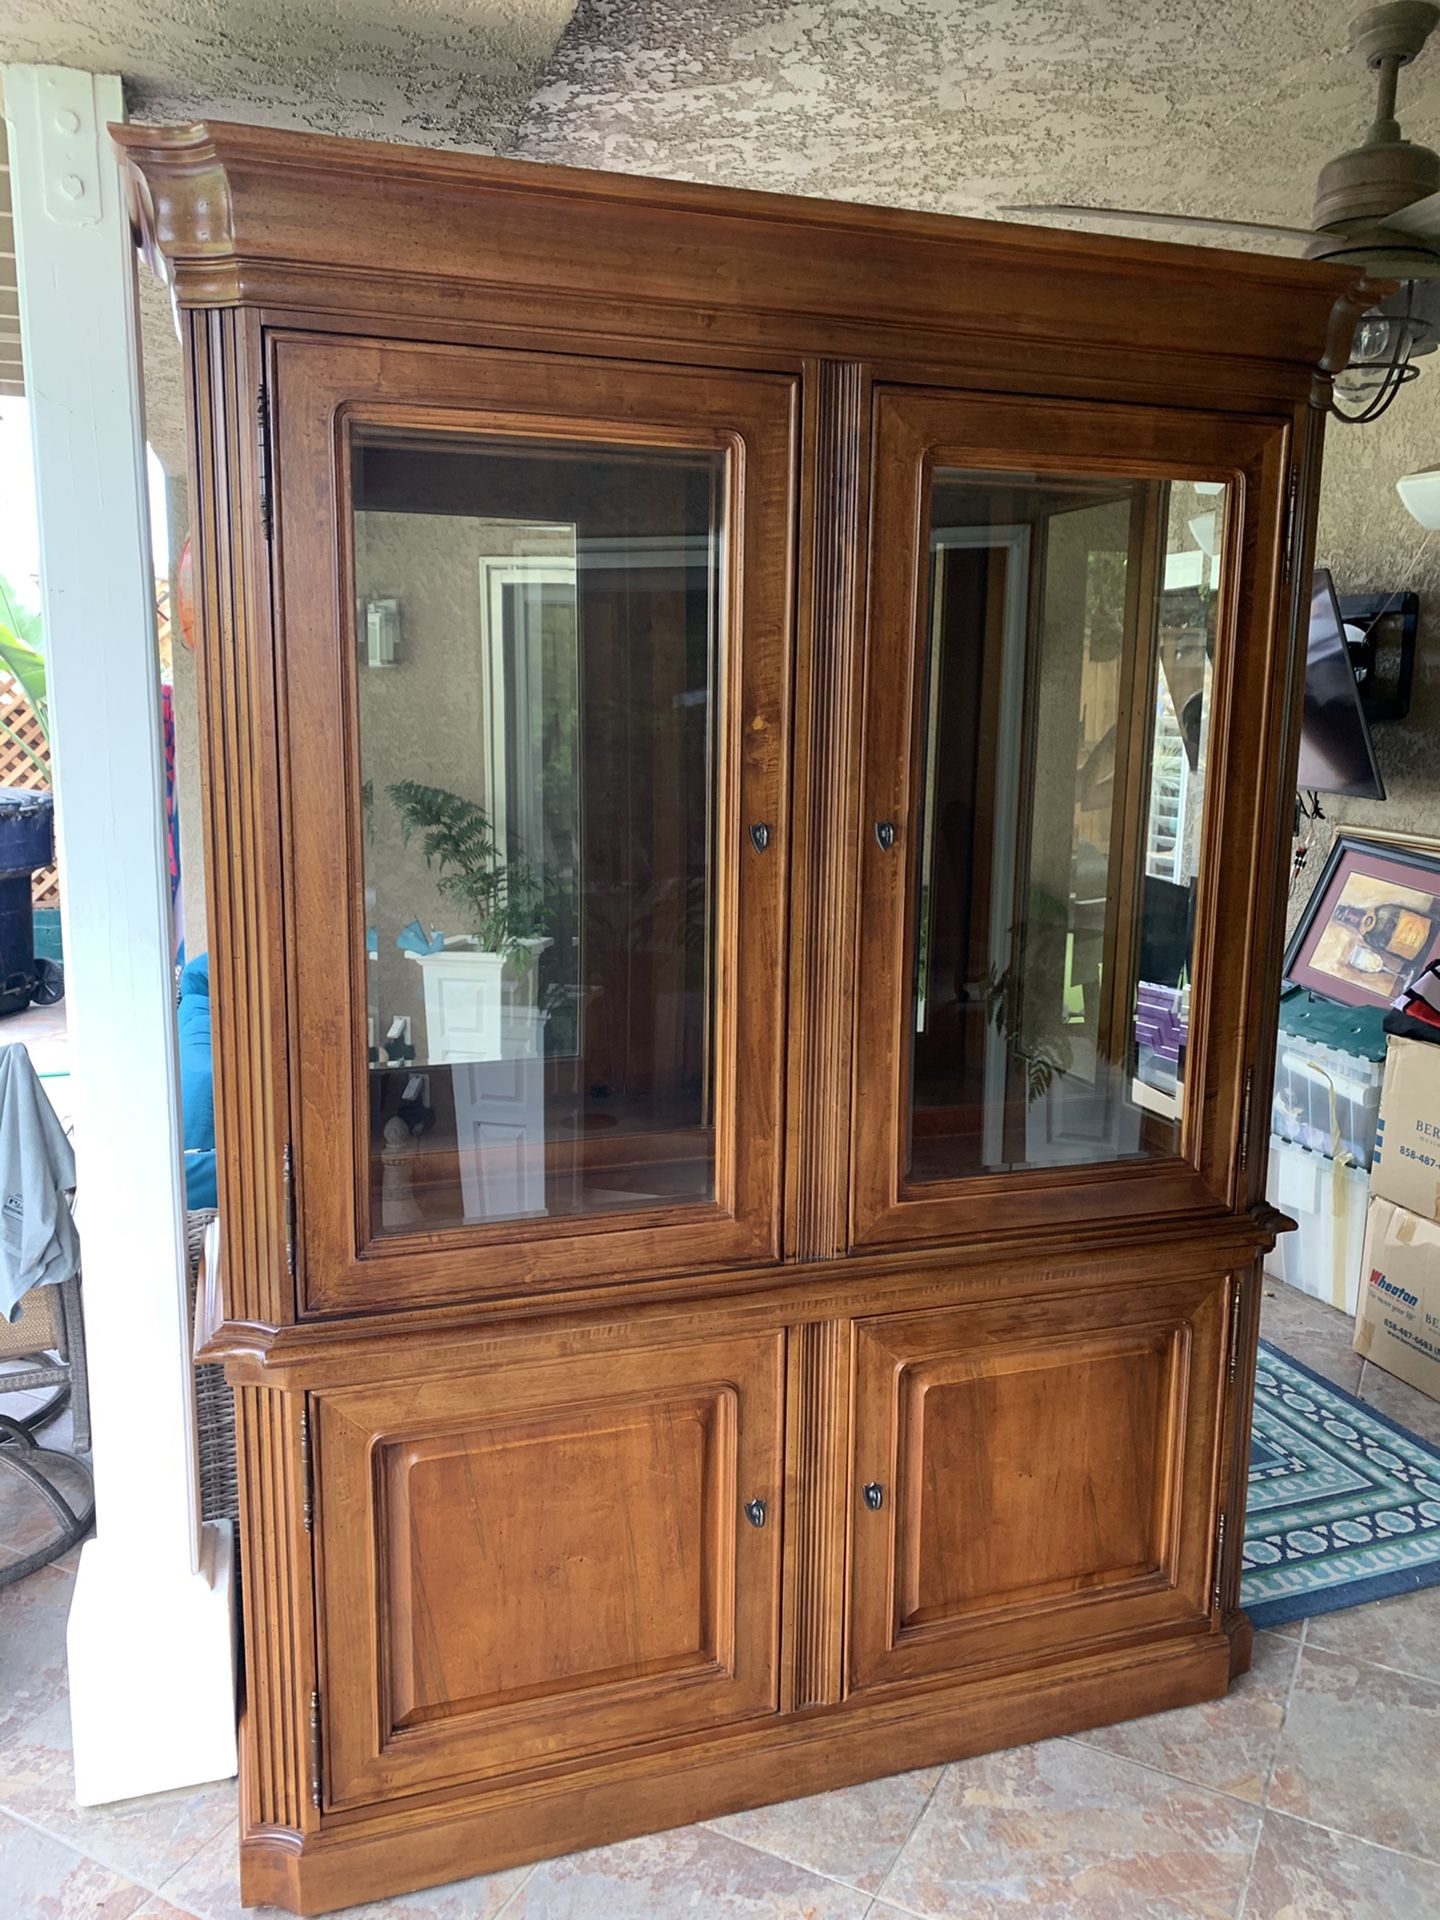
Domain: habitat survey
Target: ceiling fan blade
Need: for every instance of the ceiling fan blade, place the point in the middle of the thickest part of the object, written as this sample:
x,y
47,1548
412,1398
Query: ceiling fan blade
x,y
1421,218
1135,216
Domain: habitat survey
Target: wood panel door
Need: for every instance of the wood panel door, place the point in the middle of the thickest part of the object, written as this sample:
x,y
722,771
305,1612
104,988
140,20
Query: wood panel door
x,y
542,1562
1033,1475
1076,677
535,617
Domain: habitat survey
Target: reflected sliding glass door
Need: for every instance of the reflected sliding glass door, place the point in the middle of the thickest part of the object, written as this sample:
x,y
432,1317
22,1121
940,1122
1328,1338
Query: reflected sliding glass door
x,y
1068,652
1041,822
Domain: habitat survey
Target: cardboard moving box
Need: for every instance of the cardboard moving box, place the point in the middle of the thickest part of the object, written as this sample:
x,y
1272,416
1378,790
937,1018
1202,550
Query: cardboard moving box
x,y
1406,1167
1398,1320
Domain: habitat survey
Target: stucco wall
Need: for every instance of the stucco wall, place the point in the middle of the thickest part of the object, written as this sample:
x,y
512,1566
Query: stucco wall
x,y
1371,544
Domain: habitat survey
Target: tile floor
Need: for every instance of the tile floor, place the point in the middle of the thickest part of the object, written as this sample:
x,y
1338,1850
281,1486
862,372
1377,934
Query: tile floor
x,y
1311,1793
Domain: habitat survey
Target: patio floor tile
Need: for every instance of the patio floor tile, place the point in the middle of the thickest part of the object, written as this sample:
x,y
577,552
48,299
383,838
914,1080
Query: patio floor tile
x,y
1361,1753
1301,1872
1062,1831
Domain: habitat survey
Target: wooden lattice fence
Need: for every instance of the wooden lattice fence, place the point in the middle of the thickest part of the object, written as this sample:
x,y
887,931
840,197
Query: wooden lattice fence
x,y
19,769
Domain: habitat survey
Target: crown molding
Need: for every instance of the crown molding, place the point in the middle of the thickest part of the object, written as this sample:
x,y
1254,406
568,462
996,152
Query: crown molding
x,y
235,215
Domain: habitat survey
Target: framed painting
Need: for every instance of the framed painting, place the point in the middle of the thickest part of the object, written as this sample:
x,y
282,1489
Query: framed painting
x,y
1372,923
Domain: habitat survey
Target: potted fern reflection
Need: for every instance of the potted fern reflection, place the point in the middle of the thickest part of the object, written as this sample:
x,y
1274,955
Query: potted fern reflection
x,y
481,988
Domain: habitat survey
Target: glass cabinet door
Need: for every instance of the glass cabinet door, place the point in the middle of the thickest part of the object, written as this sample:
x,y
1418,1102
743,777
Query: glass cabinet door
x,y
1043,816
537,704
551,733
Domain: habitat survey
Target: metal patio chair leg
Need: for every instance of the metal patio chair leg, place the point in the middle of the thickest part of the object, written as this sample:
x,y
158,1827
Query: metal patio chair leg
x,y
78,1385
19,1453
43,1416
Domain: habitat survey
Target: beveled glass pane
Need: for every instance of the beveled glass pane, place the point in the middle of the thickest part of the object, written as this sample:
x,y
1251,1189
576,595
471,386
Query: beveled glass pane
x,y
537,634
1070,635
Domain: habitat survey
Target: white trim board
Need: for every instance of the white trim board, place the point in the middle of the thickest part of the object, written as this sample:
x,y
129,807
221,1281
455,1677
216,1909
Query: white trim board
x,y
151,1633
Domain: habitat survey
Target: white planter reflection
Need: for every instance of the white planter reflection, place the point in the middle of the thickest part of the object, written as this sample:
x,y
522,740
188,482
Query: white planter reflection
x,y
479,1008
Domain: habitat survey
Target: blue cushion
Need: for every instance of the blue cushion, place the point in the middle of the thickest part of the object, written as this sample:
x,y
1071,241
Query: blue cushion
x,y
195,977
200,1180
197,1087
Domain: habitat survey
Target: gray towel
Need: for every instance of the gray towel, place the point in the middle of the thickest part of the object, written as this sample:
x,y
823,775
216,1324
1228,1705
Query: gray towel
x,y
38,1241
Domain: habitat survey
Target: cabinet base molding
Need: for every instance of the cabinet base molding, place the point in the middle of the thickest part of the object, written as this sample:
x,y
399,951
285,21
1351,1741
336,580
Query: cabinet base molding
x,y
1242,1642
368,1856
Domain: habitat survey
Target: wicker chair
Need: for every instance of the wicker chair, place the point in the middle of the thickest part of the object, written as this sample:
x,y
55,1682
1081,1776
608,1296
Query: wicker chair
x,y
214,1404
44,1346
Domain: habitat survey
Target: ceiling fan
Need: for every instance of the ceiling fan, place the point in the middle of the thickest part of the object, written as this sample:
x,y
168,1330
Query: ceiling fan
x,y
1377,208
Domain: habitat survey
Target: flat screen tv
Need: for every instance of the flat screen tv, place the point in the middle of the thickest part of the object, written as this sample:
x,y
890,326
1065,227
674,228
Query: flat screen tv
x,y
1336,755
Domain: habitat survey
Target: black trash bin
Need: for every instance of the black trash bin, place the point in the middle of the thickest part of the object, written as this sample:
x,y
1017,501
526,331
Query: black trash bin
x,y
27,841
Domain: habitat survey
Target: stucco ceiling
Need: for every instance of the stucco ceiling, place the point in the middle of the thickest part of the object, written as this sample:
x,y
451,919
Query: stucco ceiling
x,y
953,104
451,71
961,105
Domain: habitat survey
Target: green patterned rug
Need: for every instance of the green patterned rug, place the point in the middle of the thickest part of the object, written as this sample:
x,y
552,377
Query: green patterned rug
x,y
1344,1505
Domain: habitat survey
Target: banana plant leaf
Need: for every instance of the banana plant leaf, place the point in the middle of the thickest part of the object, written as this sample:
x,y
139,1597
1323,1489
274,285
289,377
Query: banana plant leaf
x,y
28,666
20,652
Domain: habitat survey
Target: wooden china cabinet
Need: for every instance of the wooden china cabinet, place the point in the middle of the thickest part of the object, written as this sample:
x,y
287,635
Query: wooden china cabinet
x,y
748,749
